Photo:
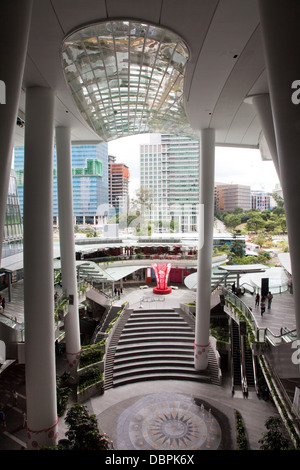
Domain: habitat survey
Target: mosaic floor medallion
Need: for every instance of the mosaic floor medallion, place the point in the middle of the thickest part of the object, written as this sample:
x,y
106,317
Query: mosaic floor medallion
x,y
168,422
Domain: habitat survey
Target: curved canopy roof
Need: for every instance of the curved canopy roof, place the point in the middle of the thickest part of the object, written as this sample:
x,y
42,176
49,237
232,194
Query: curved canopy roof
x,y
209,56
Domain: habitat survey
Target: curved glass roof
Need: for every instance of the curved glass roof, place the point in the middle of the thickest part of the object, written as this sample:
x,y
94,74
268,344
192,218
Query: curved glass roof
x,y
127,78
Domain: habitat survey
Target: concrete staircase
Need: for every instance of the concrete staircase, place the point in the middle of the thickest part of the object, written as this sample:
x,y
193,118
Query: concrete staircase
x,y
152,344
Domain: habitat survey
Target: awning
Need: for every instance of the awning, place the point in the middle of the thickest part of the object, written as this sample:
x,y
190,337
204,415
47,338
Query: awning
x,y
285,261
118,273
244,268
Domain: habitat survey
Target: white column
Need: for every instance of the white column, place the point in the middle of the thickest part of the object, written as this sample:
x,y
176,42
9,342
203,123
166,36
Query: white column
x,y
14,31
263,108
281,39
205,246
67,245
38,269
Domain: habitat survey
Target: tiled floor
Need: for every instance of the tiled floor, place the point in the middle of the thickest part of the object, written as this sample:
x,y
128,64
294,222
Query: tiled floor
x,y
281,313
119,409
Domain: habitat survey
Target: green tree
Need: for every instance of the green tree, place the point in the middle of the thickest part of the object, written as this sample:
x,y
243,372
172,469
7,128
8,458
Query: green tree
x,y
274,438
238,210
83,430
260,240
279,200
143,200
270,225
282,222
266,214
141,204
63,391
279,209
232,220
248,215
255,223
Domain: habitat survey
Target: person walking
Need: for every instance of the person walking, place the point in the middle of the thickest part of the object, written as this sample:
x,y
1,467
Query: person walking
x,y
24,420
257,297
262,306
2,419
270,298
15,397
3,303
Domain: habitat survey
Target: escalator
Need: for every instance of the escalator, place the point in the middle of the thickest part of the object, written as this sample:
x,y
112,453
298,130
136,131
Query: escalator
x,y
248,366
236,356
243,370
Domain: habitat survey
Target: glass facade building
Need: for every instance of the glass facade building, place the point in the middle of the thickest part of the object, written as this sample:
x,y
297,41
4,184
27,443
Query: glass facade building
x,y
169,171
118,185
90,182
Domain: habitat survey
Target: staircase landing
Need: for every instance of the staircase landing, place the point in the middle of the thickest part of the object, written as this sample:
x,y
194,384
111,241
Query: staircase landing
x,y
154,344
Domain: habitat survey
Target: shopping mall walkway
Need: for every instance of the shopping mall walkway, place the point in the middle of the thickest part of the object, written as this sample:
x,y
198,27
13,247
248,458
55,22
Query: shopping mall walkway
x,y
124,411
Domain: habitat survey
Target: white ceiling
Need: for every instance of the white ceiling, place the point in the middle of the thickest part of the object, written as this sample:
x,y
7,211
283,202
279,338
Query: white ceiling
x,y
226,58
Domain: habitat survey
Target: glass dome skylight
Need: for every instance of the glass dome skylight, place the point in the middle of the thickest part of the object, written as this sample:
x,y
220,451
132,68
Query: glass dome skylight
x,y
127,78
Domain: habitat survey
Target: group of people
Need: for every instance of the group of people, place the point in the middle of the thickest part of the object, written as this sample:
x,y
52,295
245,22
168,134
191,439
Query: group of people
x,y
3,414
262,302
118,292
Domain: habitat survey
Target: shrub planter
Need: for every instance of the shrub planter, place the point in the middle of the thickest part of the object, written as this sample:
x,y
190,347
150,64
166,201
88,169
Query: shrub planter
x,y
94,389
188,308
99,365
90,381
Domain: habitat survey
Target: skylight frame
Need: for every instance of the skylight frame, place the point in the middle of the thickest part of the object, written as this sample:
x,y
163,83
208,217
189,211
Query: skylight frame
x,y
127,78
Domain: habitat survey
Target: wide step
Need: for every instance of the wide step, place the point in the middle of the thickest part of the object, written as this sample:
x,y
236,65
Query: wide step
x,y
155,345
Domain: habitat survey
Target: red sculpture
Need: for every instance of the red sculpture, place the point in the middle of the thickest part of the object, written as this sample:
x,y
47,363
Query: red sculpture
x,y
162,272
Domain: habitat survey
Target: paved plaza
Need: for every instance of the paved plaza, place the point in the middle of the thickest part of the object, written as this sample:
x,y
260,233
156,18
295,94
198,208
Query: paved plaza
x,y
134,416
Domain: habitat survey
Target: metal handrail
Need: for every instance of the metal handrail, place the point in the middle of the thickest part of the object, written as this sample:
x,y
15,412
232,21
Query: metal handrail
x,y
261,333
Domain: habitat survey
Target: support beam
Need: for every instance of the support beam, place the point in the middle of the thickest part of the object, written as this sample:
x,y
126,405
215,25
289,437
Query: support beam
x,y
264,111
281,37
38,269
205,232
67,245
14,32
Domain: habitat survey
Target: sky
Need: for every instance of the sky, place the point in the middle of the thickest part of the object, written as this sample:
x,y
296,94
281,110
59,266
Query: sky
x,y
232,165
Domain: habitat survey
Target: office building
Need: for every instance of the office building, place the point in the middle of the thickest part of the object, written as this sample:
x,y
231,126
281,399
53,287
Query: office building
x,y
89,182
228,197
261,201
118,185
169,167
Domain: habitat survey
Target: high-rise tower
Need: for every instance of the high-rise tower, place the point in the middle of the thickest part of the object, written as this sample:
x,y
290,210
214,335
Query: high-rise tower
x,y
90,182
118,184
169,171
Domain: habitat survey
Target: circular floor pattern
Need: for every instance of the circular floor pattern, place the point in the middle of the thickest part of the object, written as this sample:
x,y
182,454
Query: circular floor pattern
x,y
166,421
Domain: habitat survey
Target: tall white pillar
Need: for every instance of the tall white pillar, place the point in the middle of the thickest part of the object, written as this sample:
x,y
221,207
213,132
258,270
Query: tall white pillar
x,y
13,47
281,38
205,247
38,269
67,245
262,105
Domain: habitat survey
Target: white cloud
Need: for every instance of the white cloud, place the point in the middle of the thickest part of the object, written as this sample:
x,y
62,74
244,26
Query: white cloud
x,y
245,166
232,165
